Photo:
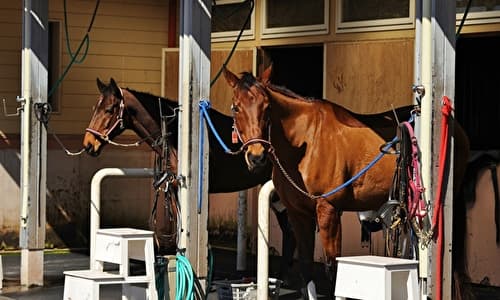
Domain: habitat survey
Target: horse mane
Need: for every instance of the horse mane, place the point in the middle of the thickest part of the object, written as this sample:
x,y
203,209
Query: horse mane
x,y
150,102
289,93
384,123
168,108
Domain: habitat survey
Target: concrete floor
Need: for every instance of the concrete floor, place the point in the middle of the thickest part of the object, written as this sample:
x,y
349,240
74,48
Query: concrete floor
x,y
224,266
56,263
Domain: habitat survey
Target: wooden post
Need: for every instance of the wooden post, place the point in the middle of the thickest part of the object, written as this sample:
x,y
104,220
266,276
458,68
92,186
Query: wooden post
x,y
33,141
194,85
443,33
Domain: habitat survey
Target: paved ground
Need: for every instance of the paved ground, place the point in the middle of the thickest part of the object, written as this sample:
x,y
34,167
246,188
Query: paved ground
x,y
224,262
224,266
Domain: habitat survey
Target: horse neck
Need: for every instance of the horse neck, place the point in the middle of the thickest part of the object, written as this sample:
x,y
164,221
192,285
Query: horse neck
x,y
143,122
288,113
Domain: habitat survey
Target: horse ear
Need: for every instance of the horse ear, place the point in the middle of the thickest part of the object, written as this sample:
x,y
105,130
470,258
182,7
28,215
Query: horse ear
x,y
266,75
230,77
115,88
101,86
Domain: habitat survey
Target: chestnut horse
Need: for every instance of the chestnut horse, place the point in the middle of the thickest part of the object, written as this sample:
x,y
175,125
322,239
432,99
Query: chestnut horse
x,y
316,146
118,109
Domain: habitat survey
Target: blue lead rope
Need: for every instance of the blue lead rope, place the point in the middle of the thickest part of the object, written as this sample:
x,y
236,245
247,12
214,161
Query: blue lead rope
x,y
373,162
204,106
362,171
201,140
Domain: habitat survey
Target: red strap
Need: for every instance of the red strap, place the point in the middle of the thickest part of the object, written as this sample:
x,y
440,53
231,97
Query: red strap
x,y
437,218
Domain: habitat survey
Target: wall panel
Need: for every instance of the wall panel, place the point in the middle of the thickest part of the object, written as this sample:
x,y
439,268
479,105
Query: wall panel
x,y
220,93
369,77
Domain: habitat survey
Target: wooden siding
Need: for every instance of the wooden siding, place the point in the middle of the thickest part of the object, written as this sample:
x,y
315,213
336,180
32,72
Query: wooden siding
x,y
126,43
220,93
369,77
10,62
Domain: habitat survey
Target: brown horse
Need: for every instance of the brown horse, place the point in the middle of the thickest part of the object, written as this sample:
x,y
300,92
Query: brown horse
x,y
316,146
118,109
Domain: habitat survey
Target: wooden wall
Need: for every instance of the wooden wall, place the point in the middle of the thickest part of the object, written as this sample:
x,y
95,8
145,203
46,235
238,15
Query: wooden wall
x,y
220,93
125,43
369,77
10,62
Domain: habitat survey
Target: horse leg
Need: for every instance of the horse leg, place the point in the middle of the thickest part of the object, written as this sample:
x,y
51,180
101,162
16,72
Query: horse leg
x,y
303,228
330,232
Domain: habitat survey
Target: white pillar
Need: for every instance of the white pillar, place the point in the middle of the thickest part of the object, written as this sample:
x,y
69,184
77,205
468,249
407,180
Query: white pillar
x,y
33,141
263,240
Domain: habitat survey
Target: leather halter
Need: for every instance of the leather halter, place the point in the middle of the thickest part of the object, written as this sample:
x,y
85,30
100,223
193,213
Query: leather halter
x,y
252,140
119,121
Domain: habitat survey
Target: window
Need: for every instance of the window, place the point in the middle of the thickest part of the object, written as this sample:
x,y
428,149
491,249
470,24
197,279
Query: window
x,y
282,18
480,12
374,15
54,64
228,17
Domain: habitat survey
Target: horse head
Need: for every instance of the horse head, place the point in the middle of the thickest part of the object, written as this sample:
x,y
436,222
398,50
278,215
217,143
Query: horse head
x,y
249,107
108,120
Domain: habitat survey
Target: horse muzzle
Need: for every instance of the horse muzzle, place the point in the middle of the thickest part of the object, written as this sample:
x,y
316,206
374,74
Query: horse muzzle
x,y
91,144
255,157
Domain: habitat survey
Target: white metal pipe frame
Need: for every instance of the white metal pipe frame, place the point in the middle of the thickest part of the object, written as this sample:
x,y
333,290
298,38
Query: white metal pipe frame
x,y
95,196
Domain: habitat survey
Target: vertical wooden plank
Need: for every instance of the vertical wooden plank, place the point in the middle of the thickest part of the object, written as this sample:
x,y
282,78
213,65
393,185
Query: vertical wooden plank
x,y
443,31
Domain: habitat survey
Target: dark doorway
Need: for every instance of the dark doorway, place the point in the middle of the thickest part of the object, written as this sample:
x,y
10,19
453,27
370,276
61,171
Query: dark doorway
x,y
476,89
299,68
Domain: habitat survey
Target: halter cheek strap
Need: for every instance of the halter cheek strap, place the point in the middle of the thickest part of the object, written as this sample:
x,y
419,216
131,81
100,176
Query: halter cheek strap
x,y
119,121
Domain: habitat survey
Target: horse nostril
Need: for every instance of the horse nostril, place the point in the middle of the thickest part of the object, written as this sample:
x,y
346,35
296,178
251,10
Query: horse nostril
x,y
256,160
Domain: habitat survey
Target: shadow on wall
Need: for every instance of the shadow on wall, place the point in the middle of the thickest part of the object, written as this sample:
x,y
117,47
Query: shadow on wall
x,y
10,175
125,202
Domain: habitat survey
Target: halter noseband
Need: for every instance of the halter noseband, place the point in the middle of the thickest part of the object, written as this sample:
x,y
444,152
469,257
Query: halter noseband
x,y
119,121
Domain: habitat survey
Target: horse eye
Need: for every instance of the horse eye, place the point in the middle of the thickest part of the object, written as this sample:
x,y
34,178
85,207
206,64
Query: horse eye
x,y
234,108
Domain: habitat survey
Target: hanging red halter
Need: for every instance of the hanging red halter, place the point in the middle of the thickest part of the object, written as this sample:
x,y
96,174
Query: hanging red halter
x,y
416,203
437,218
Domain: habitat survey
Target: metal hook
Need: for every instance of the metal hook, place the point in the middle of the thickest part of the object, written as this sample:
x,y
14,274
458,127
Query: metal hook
x,y
18,109
419,89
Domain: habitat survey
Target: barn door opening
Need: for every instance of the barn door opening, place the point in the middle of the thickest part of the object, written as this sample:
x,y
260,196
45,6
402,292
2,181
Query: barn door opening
x,y
299,68
477,109
476,90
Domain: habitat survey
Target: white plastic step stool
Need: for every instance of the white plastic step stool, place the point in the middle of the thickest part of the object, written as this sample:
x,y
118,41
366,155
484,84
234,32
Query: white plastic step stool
x,y
376,278
116,246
